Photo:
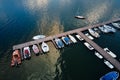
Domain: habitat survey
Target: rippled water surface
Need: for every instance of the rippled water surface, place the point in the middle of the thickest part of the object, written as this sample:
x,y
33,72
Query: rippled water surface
x,y
20,20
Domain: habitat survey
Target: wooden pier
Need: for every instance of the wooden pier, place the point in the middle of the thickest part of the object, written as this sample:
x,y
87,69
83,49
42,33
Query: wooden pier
x,y
76,31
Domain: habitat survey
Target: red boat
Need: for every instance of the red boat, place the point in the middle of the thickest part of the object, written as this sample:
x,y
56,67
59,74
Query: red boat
x,y
16,58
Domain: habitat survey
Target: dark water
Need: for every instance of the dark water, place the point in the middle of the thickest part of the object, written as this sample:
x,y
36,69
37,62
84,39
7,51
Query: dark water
x,y
21,20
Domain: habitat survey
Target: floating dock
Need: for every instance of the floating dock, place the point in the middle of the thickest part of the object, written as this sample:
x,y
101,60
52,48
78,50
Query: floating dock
x,y
79,32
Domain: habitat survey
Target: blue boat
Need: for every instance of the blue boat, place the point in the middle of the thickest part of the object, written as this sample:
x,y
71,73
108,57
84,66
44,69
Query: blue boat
x,y
66,40
110,76
59,43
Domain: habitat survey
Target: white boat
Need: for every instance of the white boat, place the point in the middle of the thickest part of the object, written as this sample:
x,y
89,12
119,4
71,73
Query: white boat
x,y
45,47
35,49
110,52
79,17
117,25
59,43
103,29
89,36
98,55
79,37
38,37
108,64
109,28
72,39
88,46
26,52
93,33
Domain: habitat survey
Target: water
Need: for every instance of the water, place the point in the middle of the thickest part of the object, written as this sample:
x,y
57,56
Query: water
x,y
21,20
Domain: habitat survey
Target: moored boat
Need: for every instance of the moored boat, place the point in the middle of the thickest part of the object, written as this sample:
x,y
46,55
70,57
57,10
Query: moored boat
x,y
110,76
89,36
38,37
103,29
27,53
66,40
72,39
59,43
93,33
117,25
108,64
110,52
16,58
109,28
88,46
35,49
79,37
45,47
98,55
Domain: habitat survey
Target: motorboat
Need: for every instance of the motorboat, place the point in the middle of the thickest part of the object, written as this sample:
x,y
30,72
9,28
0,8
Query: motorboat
x,y
88,46
109,28
108,64
59,43
45,47
72,39
27,53
110,52
79,37
35,49
38,37
103,29
93,33
66,40
117,25
98,55
113,75
79,17
16,58
89,36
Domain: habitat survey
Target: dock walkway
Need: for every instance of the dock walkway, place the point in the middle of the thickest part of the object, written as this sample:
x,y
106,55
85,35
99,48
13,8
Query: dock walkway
x,y
76,31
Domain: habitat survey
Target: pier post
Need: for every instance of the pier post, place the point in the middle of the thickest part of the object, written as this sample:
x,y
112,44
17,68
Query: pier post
x,y
21,53
39,48
54,44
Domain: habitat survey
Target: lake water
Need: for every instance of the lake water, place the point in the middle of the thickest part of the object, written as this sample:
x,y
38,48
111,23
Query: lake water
x,y
23,19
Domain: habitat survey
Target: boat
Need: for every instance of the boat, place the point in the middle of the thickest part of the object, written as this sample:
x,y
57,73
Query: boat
x,y
88,46
117,25
72,39
98,55
109,28
110,52
79,17
45,47
66,40
59,43
93,33
108,64
103,29
79,37
89,36
16,58
113,75
38,37
26,52
35,49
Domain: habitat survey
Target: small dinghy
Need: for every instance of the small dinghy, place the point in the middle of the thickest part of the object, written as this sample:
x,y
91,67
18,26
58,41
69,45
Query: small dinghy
x,y
66,40
72,39
16,58
79,17
45,47
26,52
35,49
59,43
38,37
